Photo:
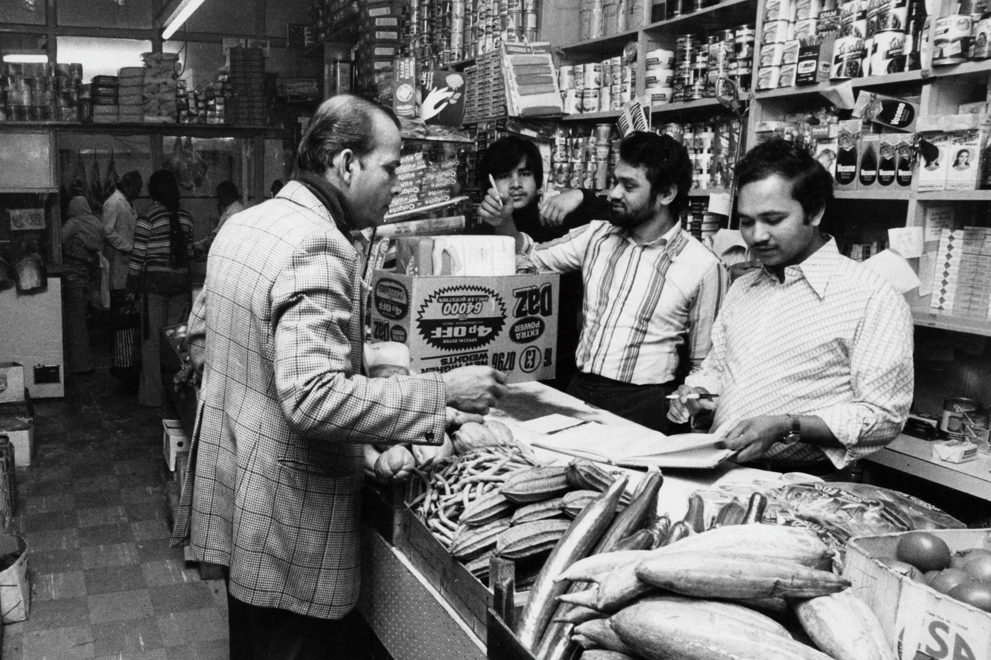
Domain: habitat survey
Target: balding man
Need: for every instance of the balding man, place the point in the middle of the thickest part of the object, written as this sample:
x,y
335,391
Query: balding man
x,y
276,461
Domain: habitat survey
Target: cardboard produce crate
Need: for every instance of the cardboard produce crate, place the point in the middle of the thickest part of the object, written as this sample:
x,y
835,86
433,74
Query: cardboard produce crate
x,y
920,622
509,322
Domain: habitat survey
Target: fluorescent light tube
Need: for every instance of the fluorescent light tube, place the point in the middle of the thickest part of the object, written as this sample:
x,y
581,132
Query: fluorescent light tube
x,y
179,16
39,58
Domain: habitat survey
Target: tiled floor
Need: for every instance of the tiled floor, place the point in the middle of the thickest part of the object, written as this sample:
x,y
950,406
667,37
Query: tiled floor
x,y
92,509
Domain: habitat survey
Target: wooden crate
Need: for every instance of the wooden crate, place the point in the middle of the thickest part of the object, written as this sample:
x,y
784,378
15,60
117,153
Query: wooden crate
x,y
383,508
462,590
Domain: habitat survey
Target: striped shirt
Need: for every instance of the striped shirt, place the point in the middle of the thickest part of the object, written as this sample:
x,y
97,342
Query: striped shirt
x,y
833,340
644,304
152,251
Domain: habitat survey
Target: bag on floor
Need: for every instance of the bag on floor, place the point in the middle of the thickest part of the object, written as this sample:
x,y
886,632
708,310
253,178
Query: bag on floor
x,y
127,340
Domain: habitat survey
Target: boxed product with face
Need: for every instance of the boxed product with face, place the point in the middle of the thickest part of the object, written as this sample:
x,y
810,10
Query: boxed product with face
x,y
933,150
848,153
963,162
509,322
826,154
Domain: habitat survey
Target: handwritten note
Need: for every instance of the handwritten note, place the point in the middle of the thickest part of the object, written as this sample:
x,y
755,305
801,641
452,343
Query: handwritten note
x,y
938,218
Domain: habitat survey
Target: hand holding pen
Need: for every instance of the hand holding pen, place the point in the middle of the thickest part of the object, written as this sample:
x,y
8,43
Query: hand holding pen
x,y
688,401
495,208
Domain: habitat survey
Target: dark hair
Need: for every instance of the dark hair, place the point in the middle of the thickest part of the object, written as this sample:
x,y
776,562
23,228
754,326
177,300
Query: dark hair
x,y
163,187
505,154
132,178
276,187
227,193
341,122
811,184
665,163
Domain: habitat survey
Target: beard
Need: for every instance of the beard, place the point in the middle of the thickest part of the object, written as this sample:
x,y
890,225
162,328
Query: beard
x,y
631,218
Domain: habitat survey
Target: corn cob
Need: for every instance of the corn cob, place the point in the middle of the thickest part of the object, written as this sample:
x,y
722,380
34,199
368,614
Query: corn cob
x,y
711,575
472,542
535,484
538,511
530,538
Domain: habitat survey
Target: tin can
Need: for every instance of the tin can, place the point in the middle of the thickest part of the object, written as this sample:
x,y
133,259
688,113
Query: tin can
x,y
602,134
615,97
775,32
562,173
566,77
625,92
744,43
786,78
806,9
590,99
605,98
593,75
768,77
770,55
956,410
951,39
607,73
887,53
659,57
660,95
659,78
805,29
578,72
675,131
572,101
848,52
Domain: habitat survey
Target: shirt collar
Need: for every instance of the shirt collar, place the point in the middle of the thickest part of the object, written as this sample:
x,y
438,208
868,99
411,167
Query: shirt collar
x,y
668,241
816,269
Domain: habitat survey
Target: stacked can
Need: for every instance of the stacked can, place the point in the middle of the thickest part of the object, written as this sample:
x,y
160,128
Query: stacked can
x,y
659,81
596,86
884,50
700,63
580,159
38,92
590,19
712,148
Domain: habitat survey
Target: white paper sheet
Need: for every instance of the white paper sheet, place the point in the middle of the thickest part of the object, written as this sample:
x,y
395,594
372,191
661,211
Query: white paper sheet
x,y
719,203
938,218
893,268
906,241
927,267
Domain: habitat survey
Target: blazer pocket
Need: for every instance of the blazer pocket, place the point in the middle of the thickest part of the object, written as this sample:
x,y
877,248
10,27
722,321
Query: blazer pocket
x,y
334,461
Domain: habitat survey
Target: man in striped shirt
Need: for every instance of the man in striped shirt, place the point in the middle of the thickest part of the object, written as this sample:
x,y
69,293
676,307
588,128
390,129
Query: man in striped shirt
x,y
812,352
651,290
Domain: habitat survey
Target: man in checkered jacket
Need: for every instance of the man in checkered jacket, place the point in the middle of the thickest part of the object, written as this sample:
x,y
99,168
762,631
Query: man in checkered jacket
x,y
276,461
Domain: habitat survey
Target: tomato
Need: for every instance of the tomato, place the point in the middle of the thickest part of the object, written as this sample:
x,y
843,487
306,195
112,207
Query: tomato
x,y
973,593
978,565
948,578
925,551
957,560
903,568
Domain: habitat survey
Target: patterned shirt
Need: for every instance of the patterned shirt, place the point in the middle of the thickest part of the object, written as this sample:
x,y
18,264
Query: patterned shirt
x,y
644,304
833,340
151,256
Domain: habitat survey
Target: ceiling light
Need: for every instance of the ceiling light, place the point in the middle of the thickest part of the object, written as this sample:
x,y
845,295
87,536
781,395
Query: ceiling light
x,y
39,58
182,12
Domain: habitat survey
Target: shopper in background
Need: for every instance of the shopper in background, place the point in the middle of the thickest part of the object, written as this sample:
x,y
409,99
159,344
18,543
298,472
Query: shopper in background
x,y
119,218
276,464
812,353
276,187
228,203
159,273
651,292
518,171
82,239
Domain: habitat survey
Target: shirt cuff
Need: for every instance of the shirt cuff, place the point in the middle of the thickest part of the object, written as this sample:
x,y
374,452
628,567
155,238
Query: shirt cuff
x,y
847,425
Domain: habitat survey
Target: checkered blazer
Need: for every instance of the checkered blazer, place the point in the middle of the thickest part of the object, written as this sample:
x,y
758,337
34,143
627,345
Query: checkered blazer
x,y
275,467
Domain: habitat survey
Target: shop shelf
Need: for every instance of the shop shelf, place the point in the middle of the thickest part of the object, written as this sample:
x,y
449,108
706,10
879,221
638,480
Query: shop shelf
x,y
979,68
874,193
591,116
974,325
857,83
607,46
684,106
707,192
955,196
722,16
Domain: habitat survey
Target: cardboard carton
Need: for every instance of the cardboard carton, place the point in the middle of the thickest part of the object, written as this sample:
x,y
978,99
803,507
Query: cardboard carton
x,y
20,432
918,621
508,322
174,441
11,382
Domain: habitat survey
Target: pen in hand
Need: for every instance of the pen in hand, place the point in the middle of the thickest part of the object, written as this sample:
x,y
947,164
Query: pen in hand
x,y
496,189
694,395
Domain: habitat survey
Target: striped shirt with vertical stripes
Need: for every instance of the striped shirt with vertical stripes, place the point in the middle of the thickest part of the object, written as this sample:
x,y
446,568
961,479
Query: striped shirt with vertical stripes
x,y
645,305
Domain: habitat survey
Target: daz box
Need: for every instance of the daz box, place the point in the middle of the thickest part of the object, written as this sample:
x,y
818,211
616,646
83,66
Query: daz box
x,y
919,622
507,322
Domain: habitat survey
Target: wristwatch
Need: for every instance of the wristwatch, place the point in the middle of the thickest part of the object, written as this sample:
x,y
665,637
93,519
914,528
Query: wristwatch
x,y
795,434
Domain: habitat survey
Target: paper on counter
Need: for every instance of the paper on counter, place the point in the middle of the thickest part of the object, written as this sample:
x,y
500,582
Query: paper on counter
x,y
551,423
895,269
906,241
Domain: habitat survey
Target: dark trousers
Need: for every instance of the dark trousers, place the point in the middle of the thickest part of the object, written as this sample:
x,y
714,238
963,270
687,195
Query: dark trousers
x,y
646,405
264,633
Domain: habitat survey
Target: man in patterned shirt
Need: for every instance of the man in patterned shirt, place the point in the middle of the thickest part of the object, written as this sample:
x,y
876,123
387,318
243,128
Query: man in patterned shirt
x,y
812,352
651,290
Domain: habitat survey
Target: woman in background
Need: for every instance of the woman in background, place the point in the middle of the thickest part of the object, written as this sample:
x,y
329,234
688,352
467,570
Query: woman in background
x,y
82,239
159,273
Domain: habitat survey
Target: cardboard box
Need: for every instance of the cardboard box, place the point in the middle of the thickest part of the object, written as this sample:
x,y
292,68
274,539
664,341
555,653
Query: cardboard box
x,y
848,154
174,441
963,171
20,432
509,322
934,148
919,622
11,382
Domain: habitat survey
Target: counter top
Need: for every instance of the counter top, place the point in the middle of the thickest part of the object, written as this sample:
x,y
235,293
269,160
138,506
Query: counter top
x,y
914,456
